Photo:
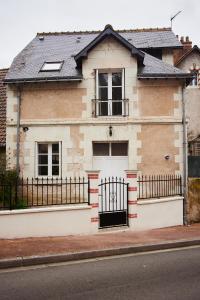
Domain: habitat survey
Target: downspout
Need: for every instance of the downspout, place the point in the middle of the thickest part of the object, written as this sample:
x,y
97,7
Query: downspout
x,y
18,128
185,161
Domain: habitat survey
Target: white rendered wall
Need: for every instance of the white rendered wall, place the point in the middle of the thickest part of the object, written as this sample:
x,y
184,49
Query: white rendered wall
x,y
159,213
44,222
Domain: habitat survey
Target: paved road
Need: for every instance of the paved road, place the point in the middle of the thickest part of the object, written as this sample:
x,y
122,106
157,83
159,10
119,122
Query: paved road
x,y
158,275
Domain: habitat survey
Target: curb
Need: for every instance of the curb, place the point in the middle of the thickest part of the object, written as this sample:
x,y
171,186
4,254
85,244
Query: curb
x,y
67,257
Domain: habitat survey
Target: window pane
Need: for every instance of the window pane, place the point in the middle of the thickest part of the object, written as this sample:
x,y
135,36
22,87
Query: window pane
x,y
103,79
103,93
116,79
51,66
103,108
42,159
101,149
119,149
55,159
55,148
43,148
116,93
117,108
55,170
42,170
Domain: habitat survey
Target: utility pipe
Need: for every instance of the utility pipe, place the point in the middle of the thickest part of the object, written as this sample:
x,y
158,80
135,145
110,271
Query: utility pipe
x,y
18,128
185,161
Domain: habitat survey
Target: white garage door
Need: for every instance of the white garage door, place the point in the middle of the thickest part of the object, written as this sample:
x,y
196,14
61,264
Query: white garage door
x,y
110,158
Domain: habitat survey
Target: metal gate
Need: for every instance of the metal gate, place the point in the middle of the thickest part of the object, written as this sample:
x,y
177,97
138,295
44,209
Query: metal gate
x,y
113,202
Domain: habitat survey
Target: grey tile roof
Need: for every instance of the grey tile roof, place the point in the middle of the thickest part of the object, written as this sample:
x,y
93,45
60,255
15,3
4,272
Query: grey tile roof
x,y
57,47
156,67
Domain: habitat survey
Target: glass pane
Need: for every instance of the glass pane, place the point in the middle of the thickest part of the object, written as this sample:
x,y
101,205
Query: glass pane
x,y
116,93
55,170
43,148
103,108
101,149
117,108
103,93
55,159
51,66
55,148
103,79
43,170
119,149
42,159
116,79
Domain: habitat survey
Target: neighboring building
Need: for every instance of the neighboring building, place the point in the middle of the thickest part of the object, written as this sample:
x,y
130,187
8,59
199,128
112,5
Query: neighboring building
x,y
3,73
190,62
109,100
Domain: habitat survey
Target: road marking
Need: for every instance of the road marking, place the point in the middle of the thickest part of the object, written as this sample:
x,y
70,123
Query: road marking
x,y
83,261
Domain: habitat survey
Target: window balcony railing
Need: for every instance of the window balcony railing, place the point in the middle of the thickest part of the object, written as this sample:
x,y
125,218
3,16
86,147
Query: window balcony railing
x,y
110,107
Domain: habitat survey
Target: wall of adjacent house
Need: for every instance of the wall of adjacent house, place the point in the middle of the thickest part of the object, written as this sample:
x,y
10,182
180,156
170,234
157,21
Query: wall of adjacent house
x,y
63,112
192,96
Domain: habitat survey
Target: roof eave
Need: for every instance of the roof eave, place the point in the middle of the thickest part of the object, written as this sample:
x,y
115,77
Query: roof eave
x,y
46,79
108,31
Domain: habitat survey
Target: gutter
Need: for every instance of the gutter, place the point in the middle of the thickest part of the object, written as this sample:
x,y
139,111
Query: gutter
x,y
185,161
32,80
18,129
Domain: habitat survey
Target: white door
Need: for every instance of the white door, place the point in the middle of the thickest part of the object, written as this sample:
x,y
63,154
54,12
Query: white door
x,y
110,158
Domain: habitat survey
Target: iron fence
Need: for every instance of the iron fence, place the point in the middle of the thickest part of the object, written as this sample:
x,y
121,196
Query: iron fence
x,y
110,107
26,193
157,186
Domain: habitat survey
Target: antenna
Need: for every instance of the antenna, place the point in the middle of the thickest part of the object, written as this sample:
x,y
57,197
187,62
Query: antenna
x,y
172,18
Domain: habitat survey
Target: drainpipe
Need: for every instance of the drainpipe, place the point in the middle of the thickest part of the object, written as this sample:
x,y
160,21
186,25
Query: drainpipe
x,y
18,129
185,161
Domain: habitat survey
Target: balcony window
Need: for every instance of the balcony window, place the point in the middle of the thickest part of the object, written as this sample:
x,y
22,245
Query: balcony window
x,y
109,93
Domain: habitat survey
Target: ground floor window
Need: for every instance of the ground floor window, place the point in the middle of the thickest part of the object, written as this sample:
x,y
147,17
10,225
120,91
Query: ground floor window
x,y
48,159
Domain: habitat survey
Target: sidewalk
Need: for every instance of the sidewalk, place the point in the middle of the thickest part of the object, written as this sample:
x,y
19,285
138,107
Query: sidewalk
x,y
18,252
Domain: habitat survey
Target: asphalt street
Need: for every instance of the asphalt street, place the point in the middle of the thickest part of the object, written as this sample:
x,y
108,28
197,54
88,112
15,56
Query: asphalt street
x,y
174,274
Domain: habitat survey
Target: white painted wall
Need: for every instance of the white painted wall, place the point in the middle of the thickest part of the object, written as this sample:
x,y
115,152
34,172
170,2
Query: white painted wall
x,y
159,213
44,222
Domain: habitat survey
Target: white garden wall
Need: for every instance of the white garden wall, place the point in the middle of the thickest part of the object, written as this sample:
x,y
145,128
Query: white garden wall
x,y
159,213
48,221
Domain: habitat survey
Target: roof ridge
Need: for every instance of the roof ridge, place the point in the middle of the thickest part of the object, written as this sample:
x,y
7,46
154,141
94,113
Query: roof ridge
x,y
98,31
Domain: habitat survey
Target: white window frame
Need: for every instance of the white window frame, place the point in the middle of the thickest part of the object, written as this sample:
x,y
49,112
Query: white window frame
x,y
195,79
49,159
52,65
110,72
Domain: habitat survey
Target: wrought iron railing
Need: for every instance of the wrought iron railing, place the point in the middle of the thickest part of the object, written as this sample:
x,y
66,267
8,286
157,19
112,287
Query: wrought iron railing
x,y
25,193
157,186
110,107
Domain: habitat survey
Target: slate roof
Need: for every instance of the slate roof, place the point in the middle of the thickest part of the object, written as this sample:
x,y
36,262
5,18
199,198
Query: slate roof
x,y
65,46
3,73
154,67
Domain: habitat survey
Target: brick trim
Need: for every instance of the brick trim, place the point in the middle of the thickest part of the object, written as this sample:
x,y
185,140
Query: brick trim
x,y
93,176
132,216
131,175
93,191
94,219
132,202
132,188
94,205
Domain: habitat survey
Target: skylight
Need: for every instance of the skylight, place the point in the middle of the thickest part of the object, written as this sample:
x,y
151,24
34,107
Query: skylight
x,y
52,66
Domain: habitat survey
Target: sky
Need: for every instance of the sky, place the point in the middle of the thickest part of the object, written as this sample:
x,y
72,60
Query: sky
x,y
20,20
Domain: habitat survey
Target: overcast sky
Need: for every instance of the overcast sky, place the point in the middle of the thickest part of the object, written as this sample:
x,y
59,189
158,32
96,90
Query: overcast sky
x,y
20,20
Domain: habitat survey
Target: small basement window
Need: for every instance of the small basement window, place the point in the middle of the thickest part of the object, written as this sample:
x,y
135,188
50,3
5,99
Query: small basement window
x,y
52,66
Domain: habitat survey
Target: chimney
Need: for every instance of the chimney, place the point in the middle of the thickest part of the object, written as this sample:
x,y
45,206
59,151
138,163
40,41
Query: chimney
x,y
187,44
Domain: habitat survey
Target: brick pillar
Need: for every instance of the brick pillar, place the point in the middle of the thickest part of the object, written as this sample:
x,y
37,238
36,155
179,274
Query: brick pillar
x,y
93,176
131,178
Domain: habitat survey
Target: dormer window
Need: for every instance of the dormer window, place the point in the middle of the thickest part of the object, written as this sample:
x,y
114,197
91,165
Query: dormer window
x,y
51,66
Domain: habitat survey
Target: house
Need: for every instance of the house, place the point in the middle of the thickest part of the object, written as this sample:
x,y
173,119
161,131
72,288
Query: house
x,y
189,61
107,100
3,73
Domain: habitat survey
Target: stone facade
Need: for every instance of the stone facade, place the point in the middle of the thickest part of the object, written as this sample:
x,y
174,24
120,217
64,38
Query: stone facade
x,y
62,113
